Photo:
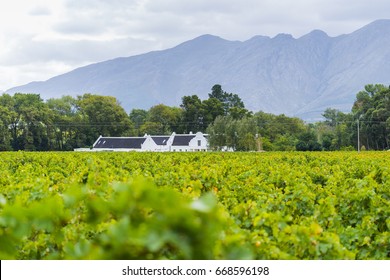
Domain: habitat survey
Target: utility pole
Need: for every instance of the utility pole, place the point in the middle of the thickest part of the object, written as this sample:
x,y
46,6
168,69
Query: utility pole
x,y
358,143
358,133
258,142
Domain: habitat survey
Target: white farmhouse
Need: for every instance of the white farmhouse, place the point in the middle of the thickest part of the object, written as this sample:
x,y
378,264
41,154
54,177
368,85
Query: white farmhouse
x,y
189,142
149,143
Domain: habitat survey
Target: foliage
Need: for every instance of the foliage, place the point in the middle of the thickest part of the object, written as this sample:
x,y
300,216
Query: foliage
x,y
138,117
165,117
279,132
192,116
195,205
227,132
29,123
308,142
198,115
103,116
67,123
370,111
372,108
28,120
228,100
5,135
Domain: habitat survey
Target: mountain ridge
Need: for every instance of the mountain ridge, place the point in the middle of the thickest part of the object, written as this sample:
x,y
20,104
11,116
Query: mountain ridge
x,y
294,76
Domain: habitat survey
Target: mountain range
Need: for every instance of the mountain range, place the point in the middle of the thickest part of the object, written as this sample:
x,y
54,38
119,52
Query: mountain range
x,y
294,76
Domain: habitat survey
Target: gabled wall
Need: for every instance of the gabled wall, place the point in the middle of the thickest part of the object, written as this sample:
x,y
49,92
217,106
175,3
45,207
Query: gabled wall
x,y
197,143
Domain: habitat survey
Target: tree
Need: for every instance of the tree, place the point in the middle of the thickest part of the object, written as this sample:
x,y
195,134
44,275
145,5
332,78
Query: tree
x,y
138,117
197,115
151,128
103,116
247,134
279,132
308,141
67,123
167,117
217,93
217,133
228,100
6,117
333,117
211,109
335,132
371,110
239,113
192,118
239,135
31,122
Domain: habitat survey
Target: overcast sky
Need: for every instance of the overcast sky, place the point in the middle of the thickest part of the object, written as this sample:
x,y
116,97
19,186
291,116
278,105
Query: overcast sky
x,y
40,39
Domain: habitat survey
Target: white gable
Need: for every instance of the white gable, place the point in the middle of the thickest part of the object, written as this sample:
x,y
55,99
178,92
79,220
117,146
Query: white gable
x,y
159,143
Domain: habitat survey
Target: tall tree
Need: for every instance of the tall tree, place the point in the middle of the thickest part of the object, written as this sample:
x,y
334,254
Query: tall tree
x,y
308,141
371,111
279,132
31,123
238,135
138,117
67,123
6,117
335,133
210,110
167,117
192,115
228,100
217,92
104,116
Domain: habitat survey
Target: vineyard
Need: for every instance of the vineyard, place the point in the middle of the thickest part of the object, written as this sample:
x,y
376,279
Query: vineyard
x,y
195,205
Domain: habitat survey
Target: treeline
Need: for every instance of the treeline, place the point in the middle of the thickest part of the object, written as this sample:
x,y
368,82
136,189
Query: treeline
x,y
29,123
366,127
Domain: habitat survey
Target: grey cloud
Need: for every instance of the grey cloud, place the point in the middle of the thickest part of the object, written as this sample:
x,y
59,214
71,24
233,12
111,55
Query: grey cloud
x,y
102,7
74,52
40,11
149,25
357,10
230,18
91,4
98,16
172,21
194,7
88,25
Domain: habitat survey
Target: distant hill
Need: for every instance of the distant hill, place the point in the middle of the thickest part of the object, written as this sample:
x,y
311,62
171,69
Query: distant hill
x,y
298,77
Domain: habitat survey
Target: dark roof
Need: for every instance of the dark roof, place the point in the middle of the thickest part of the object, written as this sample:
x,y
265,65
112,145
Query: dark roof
x,y
120,143
182,140
160,140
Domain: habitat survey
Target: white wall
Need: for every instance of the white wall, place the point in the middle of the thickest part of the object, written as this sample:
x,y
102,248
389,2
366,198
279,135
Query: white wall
x,y
198,143
193,144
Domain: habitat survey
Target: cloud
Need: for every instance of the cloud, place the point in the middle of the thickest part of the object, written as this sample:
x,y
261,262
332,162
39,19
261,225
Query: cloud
x,y
88,26
193,8
355,10
40,11
74,52
75,32
22,74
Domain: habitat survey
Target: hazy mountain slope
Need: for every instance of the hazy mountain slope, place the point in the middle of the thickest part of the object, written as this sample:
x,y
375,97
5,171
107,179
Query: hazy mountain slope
x,y
299,77
355,60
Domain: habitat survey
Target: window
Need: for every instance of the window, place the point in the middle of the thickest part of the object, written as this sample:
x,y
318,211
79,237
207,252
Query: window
x,y
199,143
